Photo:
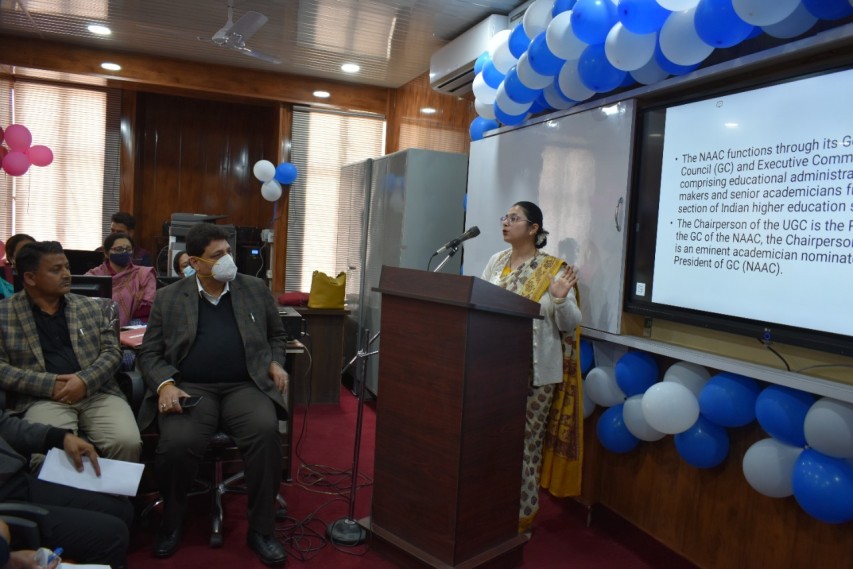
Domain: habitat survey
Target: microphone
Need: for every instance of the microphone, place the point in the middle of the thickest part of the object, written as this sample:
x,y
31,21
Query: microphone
x,y
454,243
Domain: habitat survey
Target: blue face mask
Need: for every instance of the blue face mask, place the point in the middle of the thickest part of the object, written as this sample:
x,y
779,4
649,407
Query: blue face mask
x,y
189,271
120,259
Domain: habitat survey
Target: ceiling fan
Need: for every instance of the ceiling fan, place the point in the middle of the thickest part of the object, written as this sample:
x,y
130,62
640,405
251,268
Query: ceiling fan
x,y
234,35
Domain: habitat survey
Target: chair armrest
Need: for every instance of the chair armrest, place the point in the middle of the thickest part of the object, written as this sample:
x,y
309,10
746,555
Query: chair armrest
x,y
131,384
26,523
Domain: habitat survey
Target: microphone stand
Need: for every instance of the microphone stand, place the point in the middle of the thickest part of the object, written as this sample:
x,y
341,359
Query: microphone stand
x,y
453,251
347,531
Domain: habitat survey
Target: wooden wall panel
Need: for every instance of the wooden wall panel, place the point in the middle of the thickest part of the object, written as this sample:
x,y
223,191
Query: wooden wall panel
x,y
196,156
710,516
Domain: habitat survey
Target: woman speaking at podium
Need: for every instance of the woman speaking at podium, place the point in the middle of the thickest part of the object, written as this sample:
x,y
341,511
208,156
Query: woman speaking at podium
x,y
524,269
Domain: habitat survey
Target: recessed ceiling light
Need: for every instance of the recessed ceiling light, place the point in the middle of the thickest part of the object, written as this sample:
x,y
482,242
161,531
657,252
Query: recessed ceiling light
x,y
350,68
428,111
99,30
111,66
731,125
322,94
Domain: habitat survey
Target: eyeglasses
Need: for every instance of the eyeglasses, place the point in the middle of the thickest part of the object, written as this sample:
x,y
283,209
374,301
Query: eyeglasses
x,y
512,218
121,250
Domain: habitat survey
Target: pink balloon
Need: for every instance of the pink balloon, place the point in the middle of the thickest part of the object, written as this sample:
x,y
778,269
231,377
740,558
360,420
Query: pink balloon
x,y
18,137
40,155
16,163
1,135
3,152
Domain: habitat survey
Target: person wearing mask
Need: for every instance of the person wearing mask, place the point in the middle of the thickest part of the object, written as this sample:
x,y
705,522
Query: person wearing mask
x,y
7,283
59,354
181,265
133,287
524,269
90,527
123,222
217,335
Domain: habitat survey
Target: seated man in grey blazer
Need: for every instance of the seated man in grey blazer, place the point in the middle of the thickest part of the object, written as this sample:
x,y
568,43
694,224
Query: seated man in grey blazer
x,y
59,354
217,335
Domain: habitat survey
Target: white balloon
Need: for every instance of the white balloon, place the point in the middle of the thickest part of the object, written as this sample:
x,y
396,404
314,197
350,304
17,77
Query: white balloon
x,y
485,110
679,41
677,5
635,420
768,466
602,386
798,23
626,50
555,100
560,38
264,170
482,90
528,77
829,427
502,57
690,375
762,12
588,404
271,190
536,17
509,106
650,73
500,38
670,407
571,84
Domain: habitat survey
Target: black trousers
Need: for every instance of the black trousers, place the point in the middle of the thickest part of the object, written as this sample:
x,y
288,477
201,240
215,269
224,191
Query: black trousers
x,y
88,526
249,417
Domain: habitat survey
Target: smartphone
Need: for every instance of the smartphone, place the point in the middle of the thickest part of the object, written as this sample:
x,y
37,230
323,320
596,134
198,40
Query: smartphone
x,y
189,402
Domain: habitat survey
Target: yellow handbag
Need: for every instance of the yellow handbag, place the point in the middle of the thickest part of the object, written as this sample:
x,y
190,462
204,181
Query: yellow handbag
x,y
326,291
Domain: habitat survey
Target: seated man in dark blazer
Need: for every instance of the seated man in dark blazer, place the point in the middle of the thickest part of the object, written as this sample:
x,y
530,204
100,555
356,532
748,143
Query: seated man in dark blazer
x,y
59,354
217,335
90,527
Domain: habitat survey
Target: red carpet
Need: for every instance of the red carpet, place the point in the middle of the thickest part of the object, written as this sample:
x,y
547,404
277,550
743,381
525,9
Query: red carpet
x,y
323,454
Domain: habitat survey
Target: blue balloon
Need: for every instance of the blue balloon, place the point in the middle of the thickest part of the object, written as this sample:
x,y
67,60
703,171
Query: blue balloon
x,y
670,67
755,32
537,107
508,119
823,486
587,355
728,399
612,432
629,80
285,173
541,59
518,91
829,9
561,6
480,125
718,25
636,372
704,445
491,75
518,41
781,412
541,102
481,61
642,16
592,20
596,72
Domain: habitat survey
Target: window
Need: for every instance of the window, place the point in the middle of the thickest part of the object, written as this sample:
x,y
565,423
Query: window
x,y
72,199
323,142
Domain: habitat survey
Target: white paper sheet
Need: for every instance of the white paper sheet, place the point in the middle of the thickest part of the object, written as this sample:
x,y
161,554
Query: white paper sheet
x,y
117,476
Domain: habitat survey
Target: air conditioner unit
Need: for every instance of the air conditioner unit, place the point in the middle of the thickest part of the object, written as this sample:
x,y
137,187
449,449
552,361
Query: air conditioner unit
x,y
451,68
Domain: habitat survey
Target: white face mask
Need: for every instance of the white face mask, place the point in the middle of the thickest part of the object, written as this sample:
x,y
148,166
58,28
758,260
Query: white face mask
x,y
225,270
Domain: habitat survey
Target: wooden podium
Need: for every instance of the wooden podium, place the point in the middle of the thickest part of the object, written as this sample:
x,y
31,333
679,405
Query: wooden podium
x,y
453,371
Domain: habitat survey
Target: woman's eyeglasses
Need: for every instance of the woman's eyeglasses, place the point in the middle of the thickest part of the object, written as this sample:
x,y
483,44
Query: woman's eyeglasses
x,y
512,218
121,250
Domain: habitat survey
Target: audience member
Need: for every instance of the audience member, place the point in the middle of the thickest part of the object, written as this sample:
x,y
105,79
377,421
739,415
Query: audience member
x,y
53,378
8,265
123,222
219,336
181,265
133,287
89,526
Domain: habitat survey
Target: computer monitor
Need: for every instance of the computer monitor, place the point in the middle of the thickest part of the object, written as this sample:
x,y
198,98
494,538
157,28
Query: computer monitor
x,y
92,285
80,260
166,281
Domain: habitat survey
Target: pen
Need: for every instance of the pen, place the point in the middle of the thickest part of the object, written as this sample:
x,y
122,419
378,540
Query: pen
x,y
56,553
81,332
253,316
